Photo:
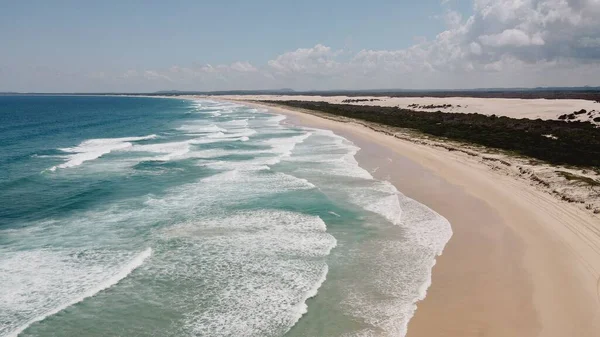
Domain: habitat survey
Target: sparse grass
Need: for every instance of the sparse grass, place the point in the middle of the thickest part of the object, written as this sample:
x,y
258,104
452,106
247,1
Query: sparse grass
x,y
570,176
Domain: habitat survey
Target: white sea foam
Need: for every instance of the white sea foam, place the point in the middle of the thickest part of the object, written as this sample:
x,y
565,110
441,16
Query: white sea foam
x,y
380,198
200,128
331,153
92,149
275,120
170,150
285,146
402,274
240,133
96,148
261,181
214,108
279,148
210,106
263,265
335,156
236,123
231,187
22,292
302,308
399,270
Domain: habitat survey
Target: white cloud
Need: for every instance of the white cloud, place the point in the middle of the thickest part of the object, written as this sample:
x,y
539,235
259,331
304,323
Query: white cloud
x,y
511,37
453,18
129,74
315,60
154,75
243,67
475,48
523,37
503,43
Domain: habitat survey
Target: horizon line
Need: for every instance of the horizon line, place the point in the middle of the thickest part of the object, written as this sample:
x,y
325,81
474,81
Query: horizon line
x,y
295,91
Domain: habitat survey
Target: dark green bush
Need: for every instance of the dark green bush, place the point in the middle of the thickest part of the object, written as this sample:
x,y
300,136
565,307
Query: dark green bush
x,y
576,143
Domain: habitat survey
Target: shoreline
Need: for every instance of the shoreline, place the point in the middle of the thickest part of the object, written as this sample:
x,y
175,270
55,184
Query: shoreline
x,y
517,263
577,185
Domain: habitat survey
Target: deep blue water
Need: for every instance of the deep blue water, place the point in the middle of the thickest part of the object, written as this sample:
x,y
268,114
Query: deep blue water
x,y
33,128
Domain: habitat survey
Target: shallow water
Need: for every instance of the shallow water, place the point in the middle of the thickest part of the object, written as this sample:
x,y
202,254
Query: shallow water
x,y
166,217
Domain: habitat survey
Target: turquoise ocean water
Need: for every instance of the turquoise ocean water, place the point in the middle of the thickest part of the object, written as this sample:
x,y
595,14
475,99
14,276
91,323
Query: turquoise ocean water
x,y
123,216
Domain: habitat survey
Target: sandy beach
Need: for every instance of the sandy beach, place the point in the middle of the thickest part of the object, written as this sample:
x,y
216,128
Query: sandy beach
x,y
520,263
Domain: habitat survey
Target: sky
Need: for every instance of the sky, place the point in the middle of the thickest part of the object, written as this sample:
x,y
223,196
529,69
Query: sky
x,y
145,46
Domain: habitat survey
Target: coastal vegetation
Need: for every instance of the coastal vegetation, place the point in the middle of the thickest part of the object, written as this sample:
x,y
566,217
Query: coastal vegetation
x,y
574,177
571,143
573,115
360,100
431,106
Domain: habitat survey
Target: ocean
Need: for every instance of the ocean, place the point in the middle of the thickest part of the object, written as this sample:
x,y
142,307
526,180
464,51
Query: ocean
x,y
139,216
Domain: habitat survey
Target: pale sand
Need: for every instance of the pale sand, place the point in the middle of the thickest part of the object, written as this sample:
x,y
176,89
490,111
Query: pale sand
x,y
520,263
509,107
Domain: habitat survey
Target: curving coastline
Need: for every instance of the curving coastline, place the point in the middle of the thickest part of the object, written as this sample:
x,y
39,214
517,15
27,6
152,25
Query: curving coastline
x,y
521,262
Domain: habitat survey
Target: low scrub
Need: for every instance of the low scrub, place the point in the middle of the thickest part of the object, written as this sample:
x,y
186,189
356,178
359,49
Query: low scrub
x,y
573,143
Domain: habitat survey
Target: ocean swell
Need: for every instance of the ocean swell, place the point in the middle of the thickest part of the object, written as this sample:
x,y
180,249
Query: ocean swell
x,y
113,279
